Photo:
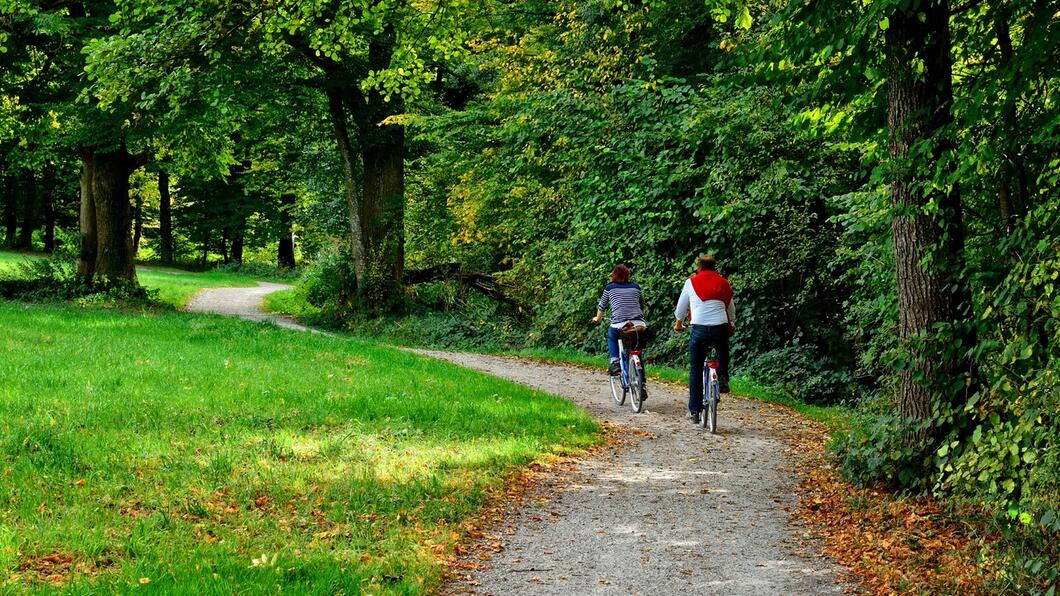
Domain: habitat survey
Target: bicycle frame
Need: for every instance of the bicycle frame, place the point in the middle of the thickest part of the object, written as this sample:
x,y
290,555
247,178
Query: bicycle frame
x,y
623,358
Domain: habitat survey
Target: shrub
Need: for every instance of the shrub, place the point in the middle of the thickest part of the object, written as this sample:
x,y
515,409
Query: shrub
x,y
807,375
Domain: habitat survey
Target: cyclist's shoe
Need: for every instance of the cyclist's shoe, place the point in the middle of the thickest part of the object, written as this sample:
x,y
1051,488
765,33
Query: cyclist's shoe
x,y
693,417
724,389
615,369
643,393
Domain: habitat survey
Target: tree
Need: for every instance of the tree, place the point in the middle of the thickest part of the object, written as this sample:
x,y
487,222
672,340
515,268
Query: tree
x,y
928,225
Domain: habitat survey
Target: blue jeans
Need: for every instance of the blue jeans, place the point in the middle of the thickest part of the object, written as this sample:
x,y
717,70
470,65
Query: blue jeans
x,y
613,334
702,338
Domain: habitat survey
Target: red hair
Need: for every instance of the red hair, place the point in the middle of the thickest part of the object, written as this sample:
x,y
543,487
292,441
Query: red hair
x,y
620,274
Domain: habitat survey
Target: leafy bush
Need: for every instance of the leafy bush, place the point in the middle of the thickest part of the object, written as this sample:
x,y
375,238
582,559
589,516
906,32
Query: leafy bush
x,y
871,453
56,279
807,375
330,282
257,269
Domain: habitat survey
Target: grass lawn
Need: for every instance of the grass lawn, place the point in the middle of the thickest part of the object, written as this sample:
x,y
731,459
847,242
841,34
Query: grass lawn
x,y
195,454
175,286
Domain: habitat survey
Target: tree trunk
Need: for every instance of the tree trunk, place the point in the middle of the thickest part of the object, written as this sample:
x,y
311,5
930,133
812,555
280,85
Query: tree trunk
x,y
10,212
165,219
110,194
30,199
383,210
285,252
383,203
49,223
205,248
928,241
237,247
349,174
86,267
1013,167
224,246
138,222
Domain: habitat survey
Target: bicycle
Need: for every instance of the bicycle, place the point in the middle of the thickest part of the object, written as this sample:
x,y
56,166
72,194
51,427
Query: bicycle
x,y
631,378
708,416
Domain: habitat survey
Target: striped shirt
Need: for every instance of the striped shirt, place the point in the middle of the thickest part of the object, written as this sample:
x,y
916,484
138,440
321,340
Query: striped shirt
x,y
626,302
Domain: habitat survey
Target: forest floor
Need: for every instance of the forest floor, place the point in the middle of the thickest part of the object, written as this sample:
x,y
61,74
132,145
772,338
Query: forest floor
x,y
664,508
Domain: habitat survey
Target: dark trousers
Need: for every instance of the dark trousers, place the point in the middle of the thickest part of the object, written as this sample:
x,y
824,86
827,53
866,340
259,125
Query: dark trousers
x,y
702,338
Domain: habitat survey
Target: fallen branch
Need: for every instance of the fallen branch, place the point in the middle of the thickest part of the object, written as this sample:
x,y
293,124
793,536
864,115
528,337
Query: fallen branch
x,y
483,283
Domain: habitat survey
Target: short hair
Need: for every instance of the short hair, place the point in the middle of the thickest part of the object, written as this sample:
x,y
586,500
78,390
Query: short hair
x,y
620,274
707,263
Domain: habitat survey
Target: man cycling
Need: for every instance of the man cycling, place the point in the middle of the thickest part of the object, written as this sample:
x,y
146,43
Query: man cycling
x,y
707,297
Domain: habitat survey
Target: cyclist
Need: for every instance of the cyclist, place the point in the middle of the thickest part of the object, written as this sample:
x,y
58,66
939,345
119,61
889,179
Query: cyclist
x,y
627,306
707,297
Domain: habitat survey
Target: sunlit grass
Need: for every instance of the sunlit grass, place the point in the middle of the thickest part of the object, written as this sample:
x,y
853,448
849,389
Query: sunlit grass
x,y
200,454
175,286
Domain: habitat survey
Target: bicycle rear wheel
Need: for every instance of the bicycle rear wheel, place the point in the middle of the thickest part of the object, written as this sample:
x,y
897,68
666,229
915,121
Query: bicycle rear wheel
x,y
636,385
712,408
704,412
617,391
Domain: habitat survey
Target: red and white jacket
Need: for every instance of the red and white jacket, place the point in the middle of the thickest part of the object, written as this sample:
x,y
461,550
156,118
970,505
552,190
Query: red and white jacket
x,y
707,296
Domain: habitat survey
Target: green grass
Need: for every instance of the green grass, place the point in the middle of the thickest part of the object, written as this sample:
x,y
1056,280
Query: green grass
x,y
208,455
178,287
10,260
290,302
175,286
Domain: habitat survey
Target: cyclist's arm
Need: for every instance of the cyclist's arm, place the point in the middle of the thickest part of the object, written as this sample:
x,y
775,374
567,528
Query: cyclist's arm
x,y
681,312
730,311
601,306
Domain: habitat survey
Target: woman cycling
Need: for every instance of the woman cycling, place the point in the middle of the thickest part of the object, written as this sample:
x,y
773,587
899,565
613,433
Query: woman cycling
x,y
627,306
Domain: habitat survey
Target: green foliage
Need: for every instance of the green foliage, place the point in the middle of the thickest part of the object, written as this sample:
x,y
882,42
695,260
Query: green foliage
x,y
330,283
872,452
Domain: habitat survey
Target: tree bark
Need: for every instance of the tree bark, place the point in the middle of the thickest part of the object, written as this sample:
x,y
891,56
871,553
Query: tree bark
x,y
383,202
349,173
30,199
1013,167
383,209
86,267
928,242
115,258
49,222
138,222
224,246
165,218
205,248
285,251
10,212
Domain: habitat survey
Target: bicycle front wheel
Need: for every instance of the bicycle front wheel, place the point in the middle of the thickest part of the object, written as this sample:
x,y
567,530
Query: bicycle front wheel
x,y
617,391
636,385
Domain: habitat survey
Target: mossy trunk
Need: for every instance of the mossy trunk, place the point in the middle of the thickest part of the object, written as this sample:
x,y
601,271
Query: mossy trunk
x,y
930,291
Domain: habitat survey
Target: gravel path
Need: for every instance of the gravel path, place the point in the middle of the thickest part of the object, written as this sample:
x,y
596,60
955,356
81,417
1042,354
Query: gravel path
x,y
244,303
673,511
669,510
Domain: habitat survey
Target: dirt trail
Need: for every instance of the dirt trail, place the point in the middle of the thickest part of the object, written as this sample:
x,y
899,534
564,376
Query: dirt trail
x,y
676,511
673,510
244,303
